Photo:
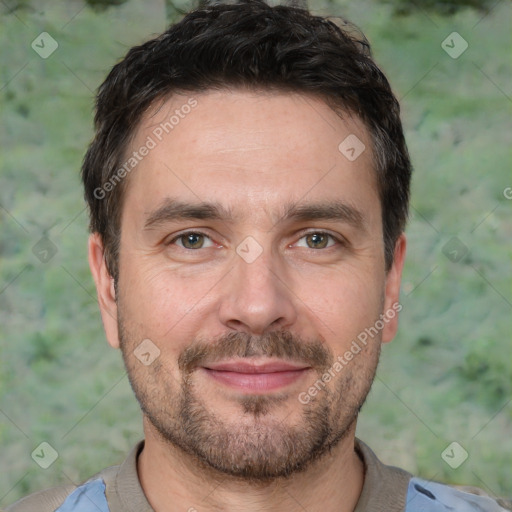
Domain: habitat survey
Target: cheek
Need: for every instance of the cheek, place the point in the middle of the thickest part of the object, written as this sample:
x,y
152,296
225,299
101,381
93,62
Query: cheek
x,y
164,303
342,304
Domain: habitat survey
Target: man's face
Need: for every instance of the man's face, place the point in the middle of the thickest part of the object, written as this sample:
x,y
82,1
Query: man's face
x,y
248,237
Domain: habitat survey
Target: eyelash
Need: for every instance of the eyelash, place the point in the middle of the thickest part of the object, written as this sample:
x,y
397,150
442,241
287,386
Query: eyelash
x,y
339,240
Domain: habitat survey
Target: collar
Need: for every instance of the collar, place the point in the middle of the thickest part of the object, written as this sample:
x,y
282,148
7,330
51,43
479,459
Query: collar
x,y
384,487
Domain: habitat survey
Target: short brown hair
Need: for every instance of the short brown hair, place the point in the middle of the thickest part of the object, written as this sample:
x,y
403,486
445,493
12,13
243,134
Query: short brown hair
x,y
249,45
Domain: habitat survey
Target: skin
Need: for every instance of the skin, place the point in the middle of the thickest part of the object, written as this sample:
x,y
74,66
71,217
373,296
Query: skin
x,y
209,446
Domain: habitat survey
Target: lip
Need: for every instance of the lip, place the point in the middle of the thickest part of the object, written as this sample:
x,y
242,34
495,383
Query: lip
x,y
256,376
244,366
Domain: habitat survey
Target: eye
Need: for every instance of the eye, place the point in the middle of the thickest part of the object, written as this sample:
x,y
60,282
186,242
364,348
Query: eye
x,y
191,240
318,240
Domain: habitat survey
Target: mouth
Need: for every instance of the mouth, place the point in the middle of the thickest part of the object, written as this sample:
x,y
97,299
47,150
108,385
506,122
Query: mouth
x,y
253,376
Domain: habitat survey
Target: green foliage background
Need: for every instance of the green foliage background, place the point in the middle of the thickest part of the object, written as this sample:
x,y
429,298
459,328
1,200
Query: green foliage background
x,y
446,377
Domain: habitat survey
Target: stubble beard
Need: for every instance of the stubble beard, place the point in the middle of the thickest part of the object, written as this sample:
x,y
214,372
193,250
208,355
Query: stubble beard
x,y
259,447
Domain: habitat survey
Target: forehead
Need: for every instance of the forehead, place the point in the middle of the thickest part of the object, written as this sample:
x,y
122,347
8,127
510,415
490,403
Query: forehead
x,y
252,150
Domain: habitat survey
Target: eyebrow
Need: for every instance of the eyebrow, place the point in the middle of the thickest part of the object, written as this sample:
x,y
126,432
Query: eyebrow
x,y
330,211
175,210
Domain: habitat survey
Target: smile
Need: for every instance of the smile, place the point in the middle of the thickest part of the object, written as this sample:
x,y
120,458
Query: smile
x,y
256,378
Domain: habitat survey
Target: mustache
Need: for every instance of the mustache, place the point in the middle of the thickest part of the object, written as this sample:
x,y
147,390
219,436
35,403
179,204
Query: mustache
x,y
281,344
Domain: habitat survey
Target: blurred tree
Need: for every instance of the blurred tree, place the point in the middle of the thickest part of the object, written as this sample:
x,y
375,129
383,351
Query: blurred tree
x,y
175,9
103,4
404,7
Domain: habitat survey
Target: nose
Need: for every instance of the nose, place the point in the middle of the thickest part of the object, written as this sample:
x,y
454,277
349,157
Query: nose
x,y
257,297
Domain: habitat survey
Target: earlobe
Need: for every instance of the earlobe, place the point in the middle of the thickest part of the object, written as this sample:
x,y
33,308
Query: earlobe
x,y
104,287
392,305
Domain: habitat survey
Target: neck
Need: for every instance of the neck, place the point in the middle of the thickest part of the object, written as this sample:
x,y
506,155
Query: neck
x,y
174,481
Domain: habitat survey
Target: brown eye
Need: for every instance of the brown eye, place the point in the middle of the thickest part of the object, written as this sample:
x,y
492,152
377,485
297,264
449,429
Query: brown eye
x,y
317,240
191,240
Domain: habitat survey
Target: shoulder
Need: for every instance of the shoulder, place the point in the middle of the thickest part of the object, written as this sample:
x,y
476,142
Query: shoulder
x,y
69,497
101,490
423,495
42,501
391,489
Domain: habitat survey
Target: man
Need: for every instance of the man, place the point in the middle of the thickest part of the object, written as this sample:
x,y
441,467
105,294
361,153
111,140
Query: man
x,y
248,189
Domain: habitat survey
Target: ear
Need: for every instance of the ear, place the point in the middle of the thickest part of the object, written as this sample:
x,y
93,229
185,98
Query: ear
x,y
105,288
392,304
